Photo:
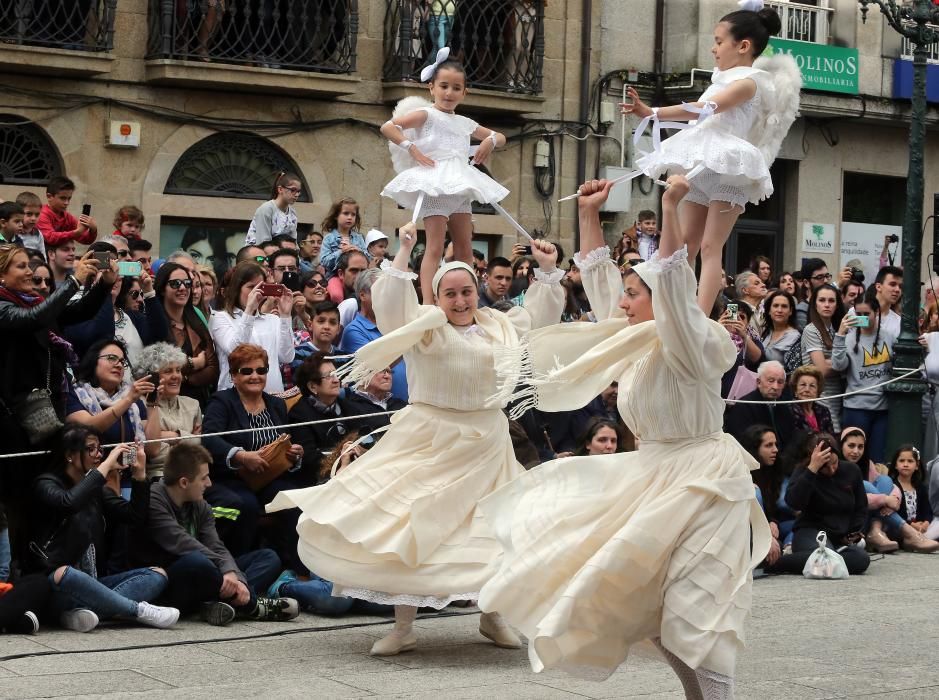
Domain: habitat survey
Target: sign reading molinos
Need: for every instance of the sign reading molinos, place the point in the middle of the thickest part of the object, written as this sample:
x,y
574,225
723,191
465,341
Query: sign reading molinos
x,y
828,68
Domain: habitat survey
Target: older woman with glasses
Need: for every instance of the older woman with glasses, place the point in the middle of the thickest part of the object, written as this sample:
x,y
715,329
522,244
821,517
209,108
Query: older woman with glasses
x,y
249,408
102,400
179,416
188,331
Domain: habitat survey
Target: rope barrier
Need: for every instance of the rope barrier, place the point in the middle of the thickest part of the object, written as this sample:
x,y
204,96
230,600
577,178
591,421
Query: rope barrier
x,y
288,426
918,370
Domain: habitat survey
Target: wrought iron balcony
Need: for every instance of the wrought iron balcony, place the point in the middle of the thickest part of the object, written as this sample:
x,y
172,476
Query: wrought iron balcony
x,y
308,35
500,42
79,25
809,20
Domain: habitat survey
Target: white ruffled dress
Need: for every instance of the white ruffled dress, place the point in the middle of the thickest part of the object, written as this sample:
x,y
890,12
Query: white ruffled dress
x,y
445,139
723,143
400,525
605,551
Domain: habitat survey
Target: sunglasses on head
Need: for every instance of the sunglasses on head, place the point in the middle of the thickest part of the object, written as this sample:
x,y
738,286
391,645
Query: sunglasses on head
x,y
310,283
248,371
176,284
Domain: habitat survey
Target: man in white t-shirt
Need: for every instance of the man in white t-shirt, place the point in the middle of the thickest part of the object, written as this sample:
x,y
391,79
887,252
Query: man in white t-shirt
x,y
889,285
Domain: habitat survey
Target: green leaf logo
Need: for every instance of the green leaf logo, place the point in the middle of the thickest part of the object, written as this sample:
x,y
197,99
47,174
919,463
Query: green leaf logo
x,y
818,231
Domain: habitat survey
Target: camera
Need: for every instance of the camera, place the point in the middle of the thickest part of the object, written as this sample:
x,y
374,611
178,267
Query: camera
x,y
857,274
893,238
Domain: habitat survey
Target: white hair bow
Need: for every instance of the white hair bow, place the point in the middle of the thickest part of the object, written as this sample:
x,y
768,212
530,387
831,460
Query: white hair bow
x,y
752,5
428,71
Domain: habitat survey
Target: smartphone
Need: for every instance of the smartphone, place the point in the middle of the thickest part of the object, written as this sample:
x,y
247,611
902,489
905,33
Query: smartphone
x,y
291,280
86,210
732,309
129,458
104,259
129,269
272,290
527,250
153,378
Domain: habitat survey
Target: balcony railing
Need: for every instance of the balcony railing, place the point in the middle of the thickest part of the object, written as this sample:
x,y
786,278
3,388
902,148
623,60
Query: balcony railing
x,y
500,42
906,49
804,21
309,35
80,25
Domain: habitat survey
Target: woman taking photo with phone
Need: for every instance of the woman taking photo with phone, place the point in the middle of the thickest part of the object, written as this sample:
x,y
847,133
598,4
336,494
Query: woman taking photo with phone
x,y
241,320
866,358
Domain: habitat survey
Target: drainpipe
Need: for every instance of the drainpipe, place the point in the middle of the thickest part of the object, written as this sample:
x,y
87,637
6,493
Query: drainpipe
x,y
658,52
586,25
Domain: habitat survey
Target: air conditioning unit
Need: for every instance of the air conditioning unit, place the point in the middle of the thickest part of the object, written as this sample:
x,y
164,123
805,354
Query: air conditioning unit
x,y
620,199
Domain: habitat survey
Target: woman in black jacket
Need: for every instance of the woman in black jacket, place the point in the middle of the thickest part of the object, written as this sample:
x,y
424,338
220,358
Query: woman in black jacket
x,y
72,508
828,493
317,382
33,355
247,407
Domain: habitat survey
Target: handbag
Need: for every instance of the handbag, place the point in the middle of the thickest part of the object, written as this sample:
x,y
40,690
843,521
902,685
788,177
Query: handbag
x,y
744,383
278,461
824,562
35,412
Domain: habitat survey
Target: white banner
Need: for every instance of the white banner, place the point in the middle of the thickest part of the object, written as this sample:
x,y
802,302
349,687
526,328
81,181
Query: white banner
x,y
862,244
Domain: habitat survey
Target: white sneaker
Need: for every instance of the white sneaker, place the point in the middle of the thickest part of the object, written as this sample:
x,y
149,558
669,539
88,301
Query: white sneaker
x,y
79,620
156,615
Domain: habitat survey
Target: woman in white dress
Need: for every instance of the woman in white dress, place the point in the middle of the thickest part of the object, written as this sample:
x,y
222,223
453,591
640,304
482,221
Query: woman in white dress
x,y
400,525
606,551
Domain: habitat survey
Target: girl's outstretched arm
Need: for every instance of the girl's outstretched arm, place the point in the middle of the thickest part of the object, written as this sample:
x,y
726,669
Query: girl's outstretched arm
x,y
732,96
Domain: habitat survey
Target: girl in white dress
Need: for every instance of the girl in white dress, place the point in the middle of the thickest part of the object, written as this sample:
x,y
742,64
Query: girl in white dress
x,y
400,525
606,551
742,119
430,152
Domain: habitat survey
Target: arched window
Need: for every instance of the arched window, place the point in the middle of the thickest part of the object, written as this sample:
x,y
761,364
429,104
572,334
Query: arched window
x,y
27,155
231,164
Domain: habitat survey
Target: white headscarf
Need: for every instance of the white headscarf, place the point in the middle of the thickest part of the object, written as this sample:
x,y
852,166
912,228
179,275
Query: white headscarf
x,y
448,267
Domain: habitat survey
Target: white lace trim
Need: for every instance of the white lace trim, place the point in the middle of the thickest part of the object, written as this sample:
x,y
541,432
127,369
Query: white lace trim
x,y
591,259
388,268
417,601
659,264
553,277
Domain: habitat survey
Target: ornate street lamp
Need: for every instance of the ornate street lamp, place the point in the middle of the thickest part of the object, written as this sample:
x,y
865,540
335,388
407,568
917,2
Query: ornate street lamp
x,y
911,19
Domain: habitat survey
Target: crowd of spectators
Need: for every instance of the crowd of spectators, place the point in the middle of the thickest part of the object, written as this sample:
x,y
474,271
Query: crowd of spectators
x,y
152,409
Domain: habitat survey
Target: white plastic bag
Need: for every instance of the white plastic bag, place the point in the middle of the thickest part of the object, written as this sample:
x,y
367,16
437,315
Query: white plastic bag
x,y
824,562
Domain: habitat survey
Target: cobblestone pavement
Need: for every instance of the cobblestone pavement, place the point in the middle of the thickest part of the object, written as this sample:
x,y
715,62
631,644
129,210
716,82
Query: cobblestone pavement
x,y
871,636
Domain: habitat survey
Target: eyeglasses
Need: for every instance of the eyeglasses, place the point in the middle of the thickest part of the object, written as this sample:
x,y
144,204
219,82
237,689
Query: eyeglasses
x,y
311,283
42,280
286,268
135,293
123,253
822,276
93,449
176,284
114,359
248,371
295,190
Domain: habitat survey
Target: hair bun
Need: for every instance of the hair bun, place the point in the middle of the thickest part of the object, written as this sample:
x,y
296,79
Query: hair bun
x,y
770,19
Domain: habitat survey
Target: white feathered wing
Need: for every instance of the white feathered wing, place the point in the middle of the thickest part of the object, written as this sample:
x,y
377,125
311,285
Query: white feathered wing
x,y
400,158
782,109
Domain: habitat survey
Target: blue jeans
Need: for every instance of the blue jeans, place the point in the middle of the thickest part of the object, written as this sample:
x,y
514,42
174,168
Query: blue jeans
x,y
109,596
437,26
874,424
892,523
316,596
194,579
4,555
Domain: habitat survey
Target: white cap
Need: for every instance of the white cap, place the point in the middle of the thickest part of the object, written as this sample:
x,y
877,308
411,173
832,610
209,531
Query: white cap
x,y
374,235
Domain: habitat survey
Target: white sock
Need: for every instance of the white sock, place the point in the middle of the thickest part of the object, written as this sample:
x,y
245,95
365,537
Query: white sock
x,y
715,686
404,619
686,674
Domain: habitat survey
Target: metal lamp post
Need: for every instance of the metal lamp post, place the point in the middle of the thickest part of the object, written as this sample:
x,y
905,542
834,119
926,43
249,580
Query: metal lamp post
x,y
910,19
